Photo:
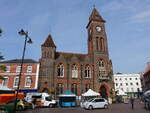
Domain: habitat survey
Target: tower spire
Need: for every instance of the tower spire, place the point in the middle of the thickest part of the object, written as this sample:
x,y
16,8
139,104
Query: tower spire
x,y
49,42
95,15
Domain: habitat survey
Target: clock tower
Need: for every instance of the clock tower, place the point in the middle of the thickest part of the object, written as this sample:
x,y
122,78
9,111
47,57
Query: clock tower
x,y
98,51
97,39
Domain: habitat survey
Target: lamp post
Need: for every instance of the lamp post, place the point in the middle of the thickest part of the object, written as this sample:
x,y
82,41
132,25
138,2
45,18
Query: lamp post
x,y
27,40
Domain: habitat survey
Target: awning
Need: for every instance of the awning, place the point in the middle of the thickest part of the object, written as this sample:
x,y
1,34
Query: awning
x,y
90,92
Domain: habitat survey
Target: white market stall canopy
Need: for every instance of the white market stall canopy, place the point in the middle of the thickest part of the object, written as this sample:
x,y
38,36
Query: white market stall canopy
x,y
90,92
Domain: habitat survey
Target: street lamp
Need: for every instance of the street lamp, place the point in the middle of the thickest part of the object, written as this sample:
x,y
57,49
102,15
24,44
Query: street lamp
x,y
27,40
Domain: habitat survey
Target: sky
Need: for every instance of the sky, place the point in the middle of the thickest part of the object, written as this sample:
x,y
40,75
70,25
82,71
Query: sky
x,y
127,27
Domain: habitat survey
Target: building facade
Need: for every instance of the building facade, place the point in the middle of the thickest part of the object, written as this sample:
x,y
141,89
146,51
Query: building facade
x,y
29,77
62,71
128,83
146,78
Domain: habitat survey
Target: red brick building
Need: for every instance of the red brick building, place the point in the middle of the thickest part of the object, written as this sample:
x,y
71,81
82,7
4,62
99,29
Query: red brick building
x,y
29,77
146,78
62,71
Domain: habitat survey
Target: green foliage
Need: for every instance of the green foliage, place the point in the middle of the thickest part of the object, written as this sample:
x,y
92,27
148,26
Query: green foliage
x,y
1,31
2,78
1,57
2,67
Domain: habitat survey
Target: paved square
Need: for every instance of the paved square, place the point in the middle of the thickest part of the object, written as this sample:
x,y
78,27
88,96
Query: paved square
x,y
114,108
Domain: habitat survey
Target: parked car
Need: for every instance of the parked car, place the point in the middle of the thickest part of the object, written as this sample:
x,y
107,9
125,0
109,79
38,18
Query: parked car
x,y
95,103
147,102
21,104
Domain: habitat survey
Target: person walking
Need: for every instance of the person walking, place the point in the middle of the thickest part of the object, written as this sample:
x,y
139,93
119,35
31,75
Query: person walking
x,y
132,102
33,103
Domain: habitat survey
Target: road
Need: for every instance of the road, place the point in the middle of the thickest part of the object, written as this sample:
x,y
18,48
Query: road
x,y
114,108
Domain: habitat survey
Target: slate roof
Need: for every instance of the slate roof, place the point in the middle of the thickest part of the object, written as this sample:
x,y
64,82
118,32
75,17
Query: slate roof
x,y
15,61
49,42
96,16
68,56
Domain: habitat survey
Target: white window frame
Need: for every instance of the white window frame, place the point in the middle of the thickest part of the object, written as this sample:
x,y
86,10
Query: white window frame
x,y
14,84
5,78
29,69
18,69
88,72
74,71
26,80
101,64
7,68
61,67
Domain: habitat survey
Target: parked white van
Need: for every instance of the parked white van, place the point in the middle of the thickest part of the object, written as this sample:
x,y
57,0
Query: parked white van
x,y
42,99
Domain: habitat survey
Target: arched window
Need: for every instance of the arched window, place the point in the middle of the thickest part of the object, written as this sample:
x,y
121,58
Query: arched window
x,y
60,70
59,88
102,46
74,88
97,44
74,71
28,81
101,66
87,71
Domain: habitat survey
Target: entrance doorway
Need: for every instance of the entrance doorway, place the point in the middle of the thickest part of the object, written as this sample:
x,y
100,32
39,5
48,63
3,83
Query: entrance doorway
x,y
103,92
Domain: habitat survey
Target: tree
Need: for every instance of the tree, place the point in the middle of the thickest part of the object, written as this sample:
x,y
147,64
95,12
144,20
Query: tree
x,y
1,58
2,67
1,31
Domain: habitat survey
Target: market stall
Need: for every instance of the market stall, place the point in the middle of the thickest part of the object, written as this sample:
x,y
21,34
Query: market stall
x,y
88,95
67,99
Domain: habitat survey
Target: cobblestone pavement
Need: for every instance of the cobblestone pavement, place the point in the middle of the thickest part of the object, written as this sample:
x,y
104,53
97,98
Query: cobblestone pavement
x,y
114,108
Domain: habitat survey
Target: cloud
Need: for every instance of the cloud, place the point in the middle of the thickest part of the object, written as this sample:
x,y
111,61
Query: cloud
x,y
112,6
141,17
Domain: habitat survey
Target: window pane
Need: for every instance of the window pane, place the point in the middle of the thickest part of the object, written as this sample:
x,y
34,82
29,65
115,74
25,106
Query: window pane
x,y
18,69
5,81
29,68
16,81
7,68
28,81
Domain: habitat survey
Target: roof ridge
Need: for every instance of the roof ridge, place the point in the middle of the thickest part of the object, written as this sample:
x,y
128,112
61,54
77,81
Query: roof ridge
x,y
71,53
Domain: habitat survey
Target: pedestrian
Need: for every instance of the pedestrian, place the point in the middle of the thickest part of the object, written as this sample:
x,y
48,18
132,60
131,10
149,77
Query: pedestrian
x,y
132,102
33,103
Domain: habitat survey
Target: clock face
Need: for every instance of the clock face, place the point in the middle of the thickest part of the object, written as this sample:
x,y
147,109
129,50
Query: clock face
x,y
98,28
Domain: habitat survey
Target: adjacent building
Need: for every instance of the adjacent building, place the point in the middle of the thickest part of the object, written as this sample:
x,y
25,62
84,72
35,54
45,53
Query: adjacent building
x,y
129,84
146,78
76,72
29,77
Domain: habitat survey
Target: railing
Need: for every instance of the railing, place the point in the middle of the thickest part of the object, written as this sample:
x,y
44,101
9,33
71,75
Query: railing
x,y
103,78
